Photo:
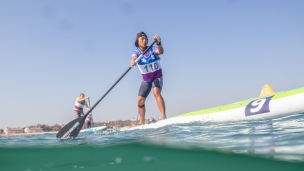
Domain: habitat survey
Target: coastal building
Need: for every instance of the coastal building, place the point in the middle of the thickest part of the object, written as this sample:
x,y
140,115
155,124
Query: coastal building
x,y
13,130
55,129
33,130
1,131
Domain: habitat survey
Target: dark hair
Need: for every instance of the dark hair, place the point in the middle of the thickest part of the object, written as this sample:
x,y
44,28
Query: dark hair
x,y
138,36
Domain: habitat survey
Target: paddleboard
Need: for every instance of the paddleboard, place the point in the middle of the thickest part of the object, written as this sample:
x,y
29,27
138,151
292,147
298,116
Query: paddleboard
x,y
265,107
94,129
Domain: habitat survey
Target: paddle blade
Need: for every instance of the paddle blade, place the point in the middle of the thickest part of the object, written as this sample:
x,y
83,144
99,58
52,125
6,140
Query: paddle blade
x,y
72,129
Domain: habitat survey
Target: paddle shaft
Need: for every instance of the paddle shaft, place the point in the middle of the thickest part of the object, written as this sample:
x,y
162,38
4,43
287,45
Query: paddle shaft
x,y
119,79
72,128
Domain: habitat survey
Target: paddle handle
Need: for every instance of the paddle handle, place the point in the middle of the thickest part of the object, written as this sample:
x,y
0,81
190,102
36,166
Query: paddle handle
x,y
140,56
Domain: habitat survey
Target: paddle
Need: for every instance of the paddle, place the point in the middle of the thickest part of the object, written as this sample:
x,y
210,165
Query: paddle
x,y
91,113
72,129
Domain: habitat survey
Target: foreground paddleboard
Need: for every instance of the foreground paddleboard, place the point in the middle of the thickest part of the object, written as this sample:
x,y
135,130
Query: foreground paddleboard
x,y
94,129
273,106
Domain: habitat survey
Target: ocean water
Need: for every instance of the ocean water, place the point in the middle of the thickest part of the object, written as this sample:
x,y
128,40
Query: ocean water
x,y
257,145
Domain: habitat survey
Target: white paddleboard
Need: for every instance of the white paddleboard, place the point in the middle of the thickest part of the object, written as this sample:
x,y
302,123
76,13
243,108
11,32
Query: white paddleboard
x,y
94,129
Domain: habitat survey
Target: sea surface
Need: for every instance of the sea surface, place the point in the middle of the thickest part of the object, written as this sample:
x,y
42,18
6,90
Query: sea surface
x,y
257,145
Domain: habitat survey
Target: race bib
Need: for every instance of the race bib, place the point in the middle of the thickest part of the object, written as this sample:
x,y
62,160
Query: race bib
x,y
149,68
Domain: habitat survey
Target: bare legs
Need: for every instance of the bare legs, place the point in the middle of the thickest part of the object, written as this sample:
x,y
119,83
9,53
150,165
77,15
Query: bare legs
x,y
142,110
160,103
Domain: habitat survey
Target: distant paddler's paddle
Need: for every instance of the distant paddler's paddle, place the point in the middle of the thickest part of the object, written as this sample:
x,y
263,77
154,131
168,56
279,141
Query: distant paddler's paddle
x,y
91,113
72,129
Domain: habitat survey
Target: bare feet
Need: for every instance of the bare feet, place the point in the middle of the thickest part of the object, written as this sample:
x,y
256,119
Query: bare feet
x,y
140,124
163,118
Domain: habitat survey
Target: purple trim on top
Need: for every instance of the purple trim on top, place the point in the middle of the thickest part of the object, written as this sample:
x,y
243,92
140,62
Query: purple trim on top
x,y
151,76
78,108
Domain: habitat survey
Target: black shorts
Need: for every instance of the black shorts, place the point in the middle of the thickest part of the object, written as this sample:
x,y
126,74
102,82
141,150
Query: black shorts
x,y
146,87
78,113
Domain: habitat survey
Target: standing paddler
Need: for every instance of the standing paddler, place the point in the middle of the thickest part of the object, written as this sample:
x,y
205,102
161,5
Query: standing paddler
x,y
80,103
150,68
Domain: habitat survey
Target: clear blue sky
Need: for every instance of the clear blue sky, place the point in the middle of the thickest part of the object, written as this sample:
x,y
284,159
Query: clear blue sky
x,y
216,52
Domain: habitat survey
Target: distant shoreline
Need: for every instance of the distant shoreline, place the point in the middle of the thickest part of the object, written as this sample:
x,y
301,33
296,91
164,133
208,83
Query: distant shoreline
x,y
26,134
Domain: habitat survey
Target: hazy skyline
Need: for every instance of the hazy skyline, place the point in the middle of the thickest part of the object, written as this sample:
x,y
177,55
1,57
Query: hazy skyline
x,y
216,53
